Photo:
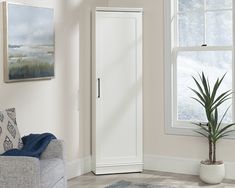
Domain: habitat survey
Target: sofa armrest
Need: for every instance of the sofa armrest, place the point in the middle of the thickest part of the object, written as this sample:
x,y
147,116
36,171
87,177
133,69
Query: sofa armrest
x,y
55,149
19,172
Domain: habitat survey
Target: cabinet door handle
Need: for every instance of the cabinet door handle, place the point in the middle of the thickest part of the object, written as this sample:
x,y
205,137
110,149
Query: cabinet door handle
x,y
98,87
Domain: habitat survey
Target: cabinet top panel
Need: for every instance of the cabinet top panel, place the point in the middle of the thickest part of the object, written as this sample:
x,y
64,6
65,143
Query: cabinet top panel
x,y
118,9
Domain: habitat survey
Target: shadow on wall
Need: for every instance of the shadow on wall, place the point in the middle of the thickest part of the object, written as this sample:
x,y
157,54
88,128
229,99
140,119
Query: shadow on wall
x,y
74,26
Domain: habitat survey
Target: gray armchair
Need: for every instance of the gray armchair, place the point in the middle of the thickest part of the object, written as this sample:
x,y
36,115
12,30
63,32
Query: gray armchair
x,y
29,172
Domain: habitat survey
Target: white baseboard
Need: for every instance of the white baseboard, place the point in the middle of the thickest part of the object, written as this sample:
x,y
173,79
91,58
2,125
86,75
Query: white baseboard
x,y
78,167
180,165
151,162
230,170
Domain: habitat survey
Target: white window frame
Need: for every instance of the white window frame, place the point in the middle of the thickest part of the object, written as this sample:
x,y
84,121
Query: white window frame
x,y
172,125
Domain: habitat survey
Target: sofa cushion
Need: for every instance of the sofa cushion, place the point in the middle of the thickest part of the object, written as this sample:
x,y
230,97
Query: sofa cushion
x,y
9,134
51,172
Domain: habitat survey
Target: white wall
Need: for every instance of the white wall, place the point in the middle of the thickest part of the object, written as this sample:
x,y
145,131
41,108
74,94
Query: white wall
x,y
52,105
156,142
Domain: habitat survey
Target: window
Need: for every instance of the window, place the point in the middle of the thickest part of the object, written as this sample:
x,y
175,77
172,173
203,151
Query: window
x,y
199,37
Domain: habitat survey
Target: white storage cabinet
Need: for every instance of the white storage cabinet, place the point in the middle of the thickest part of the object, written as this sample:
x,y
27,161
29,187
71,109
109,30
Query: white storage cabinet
x,y
117,126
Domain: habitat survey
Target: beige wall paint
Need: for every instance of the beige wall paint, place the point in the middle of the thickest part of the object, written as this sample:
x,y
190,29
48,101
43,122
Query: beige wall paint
x,y
52,105
156,142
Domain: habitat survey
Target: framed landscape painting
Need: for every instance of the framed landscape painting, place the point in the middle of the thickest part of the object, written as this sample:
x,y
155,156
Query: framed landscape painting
x,y
29,43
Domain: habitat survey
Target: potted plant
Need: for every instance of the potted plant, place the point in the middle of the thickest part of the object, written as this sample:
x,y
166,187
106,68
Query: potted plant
x,y
211,170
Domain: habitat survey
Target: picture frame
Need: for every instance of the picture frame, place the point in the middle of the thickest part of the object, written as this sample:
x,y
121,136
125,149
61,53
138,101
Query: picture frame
x,y
29,43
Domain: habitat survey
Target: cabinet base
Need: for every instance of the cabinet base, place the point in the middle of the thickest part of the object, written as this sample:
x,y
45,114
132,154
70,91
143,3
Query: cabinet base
x,y
118,169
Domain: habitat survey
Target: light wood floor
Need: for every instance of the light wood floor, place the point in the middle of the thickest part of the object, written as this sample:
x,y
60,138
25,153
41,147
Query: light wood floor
x,y
151,177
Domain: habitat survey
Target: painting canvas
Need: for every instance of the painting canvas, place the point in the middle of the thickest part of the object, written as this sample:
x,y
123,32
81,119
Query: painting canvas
x,y
29,43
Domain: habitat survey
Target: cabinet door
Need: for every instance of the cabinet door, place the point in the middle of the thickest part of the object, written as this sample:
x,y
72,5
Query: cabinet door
x,y
119,82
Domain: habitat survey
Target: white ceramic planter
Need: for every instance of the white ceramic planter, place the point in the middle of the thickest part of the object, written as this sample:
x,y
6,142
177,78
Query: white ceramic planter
x,y
212,174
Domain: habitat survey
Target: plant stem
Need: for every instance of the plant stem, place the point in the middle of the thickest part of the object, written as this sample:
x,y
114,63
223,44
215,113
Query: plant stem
x,y
214,152
210,150
210,141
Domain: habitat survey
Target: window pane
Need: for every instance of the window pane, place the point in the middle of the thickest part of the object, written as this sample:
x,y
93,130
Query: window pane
x,y
191,29
219,4
219,28
189,5
214,65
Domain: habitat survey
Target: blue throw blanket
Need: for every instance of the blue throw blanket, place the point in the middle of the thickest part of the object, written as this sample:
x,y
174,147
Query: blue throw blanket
x,y
34,145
